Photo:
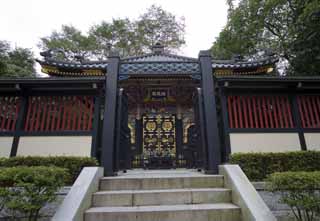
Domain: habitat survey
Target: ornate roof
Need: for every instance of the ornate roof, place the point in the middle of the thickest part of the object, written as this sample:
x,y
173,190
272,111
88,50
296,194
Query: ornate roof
x,y
234,64
164,57
156,63
159,55
160,68
244,67
64,68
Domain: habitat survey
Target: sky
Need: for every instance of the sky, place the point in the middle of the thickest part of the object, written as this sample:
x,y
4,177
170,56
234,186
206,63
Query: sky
x,y
23,22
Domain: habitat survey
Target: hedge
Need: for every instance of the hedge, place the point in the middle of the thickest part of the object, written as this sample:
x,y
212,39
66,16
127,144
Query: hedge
x,y
300,191
74,165
257,166
25,190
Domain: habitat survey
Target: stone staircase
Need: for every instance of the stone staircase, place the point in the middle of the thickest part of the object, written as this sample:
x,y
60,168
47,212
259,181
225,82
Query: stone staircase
x,y
163,195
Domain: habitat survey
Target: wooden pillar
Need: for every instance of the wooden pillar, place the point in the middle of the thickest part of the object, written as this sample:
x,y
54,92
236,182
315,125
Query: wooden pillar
x,y
138,138
119,153
297,121
109,120
210,114
95,126
225,119
179,131
19,126
138,130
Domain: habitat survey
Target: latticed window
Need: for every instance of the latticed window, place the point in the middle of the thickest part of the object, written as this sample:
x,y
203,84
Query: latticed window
x,y
9,109
309,109
259,112
59,113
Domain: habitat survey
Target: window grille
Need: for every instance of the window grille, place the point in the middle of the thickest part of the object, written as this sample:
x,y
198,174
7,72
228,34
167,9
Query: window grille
x,y
309,110
259,112
9,110
59,113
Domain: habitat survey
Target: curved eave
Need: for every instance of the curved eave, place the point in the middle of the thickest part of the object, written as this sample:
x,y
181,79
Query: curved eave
x,y
263,70
235,68
69,69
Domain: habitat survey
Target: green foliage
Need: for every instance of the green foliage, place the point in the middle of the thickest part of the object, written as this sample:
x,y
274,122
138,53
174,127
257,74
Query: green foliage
x,y
257,166
130,37
73,165
119,34
17,62
26,190
158,25
71,41
291,28
300,191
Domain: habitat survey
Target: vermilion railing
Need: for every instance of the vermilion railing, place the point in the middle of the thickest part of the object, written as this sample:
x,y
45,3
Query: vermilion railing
x,y
259,112
309,109
9,110
59,113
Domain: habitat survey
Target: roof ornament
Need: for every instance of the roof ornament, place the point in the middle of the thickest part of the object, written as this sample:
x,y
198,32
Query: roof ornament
x,y
53,53
46,54
269,52
237,58
158,48
79,58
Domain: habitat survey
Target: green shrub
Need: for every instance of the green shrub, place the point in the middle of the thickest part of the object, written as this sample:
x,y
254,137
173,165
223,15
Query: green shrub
x,y
300,191
74,165
257,166
25,190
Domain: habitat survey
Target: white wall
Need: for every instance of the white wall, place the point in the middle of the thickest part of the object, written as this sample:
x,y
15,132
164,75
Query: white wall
x,y
5,146
312,141
55,146
264,142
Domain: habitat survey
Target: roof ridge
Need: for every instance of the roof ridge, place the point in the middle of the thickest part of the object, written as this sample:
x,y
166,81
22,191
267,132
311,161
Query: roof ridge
x,y
136,58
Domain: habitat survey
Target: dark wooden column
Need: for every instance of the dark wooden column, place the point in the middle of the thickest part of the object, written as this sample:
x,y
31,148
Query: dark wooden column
x,y
225,119
109,120
179,130
19,126
179,137
138,138
138,131
210,114
297,121
96,121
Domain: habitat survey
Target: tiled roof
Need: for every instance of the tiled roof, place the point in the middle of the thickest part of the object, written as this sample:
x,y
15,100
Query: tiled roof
x,y
157,62
164,57
232,64
73,65
152,68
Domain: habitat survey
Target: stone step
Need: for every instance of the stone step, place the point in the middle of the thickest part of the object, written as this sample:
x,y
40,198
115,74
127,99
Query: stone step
x,y
193,212
161,197
161,182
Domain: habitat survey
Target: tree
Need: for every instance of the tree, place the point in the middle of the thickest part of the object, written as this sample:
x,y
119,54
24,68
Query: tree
x,y
279,25
119,34
157,25
71,43
130,37
17,62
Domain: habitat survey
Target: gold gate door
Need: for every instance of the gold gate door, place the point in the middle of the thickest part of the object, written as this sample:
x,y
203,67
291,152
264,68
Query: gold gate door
x,y
159,135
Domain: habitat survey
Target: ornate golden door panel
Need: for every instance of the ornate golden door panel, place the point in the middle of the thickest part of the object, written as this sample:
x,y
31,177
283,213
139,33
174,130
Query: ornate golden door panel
x,y
159,135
